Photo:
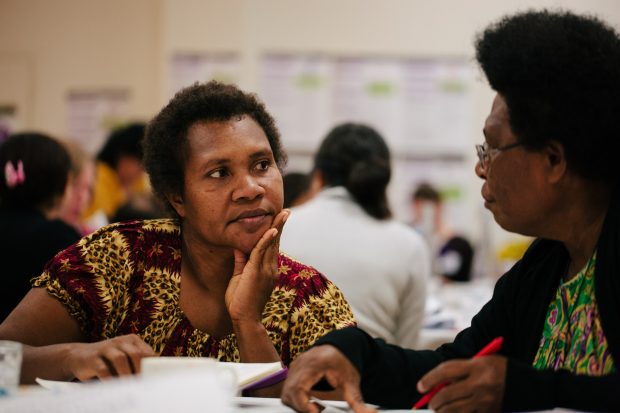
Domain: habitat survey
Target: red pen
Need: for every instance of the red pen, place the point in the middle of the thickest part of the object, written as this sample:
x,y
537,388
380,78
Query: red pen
x,y
493,347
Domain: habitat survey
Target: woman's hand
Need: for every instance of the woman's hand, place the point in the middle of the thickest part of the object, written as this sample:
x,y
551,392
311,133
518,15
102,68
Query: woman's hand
x,y
118,356
475,385
322,362
253,279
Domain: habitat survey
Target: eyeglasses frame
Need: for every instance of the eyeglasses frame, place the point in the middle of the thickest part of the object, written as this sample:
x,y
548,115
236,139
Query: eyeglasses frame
x,y
485,153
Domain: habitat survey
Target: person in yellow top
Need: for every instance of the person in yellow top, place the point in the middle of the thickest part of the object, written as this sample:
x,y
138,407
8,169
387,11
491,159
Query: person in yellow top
x,y
120,173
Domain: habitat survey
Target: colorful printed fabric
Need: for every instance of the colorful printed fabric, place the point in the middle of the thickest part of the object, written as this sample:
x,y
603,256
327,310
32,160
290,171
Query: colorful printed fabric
x,y
578,345
125,279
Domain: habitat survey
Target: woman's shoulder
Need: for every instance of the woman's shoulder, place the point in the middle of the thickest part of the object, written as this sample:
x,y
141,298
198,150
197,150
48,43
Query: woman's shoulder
x,y
124,247
295,274
161,226
140,238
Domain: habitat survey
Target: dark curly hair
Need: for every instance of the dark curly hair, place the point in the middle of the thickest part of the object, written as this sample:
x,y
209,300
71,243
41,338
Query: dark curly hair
x,y
46,164
124,141
559,74
165,141
356,156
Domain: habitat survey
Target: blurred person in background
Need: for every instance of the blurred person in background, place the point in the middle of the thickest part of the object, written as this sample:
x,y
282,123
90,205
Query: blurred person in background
x,y
347,232
34,172
80,188
119,174
452,253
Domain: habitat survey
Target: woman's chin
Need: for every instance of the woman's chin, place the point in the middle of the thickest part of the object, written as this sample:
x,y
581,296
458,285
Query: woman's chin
x,y
246,246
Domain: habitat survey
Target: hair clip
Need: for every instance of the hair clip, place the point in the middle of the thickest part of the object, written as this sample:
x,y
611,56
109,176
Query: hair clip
x,y
14,176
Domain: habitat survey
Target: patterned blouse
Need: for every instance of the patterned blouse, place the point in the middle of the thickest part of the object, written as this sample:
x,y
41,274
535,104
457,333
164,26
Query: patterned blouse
x,y
125,279
578,345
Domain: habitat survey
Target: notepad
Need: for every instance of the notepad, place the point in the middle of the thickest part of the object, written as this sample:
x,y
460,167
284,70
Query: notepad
x,y
249,374
246,375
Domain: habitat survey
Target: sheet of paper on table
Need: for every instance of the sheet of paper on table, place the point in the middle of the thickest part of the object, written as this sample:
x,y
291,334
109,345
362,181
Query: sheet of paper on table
x,y
187,392
245,373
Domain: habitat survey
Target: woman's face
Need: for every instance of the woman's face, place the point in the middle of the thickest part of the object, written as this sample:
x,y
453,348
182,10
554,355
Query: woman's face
x,y
233,188
514,188
79,194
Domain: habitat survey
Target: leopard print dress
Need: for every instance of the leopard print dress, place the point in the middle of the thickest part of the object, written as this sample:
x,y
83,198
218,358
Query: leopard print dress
x,y
125,279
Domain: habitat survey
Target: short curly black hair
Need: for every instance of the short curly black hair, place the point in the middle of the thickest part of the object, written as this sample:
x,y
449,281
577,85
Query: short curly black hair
x,y
559,74
166,135
124,141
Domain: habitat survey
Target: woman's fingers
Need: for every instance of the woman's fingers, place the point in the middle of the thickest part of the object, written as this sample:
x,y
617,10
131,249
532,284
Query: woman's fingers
x,y
119,356
240,260
270,258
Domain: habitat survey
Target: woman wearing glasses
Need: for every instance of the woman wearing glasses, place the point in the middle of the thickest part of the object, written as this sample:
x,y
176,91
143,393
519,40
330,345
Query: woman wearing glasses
x,y
549,170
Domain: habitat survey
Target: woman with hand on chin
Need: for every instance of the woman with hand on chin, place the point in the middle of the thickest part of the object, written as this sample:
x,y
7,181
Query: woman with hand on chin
x,y
210,282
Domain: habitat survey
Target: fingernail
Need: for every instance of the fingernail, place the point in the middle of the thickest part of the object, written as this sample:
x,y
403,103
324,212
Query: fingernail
x,y
421,388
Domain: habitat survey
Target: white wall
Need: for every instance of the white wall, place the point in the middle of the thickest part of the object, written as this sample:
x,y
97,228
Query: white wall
x,y
48,48
64,45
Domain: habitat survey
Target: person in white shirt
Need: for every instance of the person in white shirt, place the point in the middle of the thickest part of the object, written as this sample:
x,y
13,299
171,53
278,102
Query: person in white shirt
x,y
346,232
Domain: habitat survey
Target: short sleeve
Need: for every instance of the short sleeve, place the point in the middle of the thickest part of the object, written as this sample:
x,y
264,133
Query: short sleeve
x,y
320,308
89,279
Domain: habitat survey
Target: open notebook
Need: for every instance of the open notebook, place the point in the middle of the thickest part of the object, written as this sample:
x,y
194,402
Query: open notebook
x,y
248,375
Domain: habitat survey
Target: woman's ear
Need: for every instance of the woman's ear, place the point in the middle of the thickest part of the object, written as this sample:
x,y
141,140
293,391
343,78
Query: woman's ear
x,y
176,200
555,157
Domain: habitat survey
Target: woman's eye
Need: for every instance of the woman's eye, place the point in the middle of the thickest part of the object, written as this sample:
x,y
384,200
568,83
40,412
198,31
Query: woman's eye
x,y
263,165
218,173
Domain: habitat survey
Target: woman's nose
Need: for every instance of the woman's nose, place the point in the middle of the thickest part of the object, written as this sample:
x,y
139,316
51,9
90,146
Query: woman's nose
x,y
247,187
480,171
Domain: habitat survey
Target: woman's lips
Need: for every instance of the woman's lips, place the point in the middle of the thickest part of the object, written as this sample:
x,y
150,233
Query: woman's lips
x,y
253,223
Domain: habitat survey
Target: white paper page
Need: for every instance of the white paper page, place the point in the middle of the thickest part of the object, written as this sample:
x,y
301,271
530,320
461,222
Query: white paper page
x,y
245,373
250,372
249,402
194,392
56,385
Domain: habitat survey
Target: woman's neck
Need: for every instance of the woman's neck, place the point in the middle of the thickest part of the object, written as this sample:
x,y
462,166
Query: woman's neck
x,y
209,267
586,217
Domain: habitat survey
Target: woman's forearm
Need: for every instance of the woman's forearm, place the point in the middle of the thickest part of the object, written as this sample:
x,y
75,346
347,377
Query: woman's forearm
x,y
47,362
254,343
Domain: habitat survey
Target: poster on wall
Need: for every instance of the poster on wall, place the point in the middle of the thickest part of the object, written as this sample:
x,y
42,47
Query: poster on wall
x,y
437,106
188,68
92,114
422,107
297,92
369,91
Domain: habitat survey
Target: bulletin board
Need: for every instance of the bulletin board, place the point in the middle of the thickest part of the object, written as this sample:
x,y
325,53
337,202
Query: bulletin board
x,y
92,114
188,68
422,107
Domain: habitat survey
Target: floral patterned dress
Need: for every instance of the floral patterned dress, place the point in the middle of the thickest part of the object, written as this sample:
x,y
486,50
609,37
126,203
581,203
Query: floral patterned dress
x,y
125,279
573,337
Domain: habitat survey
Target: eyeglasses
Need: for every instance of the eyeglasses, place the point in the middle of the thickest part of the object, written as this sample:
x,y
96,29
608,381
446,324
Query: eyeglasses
x,y
485,153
